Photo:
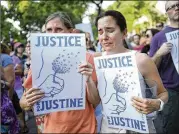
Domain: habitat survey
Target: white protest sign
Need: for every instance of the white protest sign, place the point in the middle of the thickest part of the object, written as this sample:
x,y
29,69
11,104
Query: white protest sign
x,y
173,37
55,61
118,81
85,28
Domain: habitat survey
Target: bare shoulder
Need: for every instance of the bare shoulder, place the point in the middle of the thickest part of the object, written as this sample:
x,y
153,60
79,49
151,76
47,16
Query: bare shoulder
x,y
142,58
144,62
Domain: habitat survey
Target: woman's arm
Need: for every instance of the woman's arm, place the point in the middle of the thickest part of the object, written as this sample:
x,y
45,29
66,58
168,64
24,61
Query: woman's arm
x,y
92,92
18,69
149,71
9,76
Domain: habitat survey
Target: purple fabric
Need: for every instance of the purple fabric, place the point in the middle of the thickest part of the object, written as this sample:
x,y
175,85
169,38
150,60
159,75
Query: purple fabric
x,y
8,114
18,79
167,70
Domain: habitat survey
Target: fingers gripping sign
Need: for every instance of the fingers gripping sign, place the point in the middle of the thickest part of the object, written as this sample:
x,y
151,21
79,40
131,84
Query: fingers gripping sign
x,y
33,95
143,105
86,69
165,48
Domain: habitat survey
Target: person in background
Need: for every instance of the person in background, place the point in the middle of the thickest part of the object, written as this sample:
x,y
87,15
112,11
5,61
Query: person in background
x,y
160,51
160,26
18,88
89,45
135,40
9,121
98,46
19,52
9,69
149,35
28,60
139,43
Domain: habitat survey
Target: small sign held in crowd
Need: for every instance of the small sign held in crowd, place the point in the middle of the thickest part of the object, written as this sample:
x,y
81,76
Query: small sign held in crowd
x,y
173,37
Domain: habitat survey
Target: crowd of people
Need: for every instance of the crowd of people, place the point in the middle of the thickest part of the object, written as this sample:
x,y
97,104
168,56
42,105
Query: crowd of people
x,y
153,58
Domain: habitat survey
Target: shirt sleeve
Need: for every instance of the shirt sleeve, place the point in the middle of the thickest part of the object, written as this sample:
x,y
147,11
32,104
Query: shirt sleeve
x,y
6,60
28,82
153,46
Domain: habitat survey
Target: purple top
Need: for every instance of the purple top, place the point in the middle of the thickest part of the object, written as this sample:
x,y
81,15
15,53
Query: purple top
x,y
9,121
167,70
18,80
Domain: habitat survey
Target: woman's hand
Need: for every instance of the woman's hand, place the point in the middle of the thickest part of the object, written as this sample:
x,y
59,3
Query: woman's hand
x,y
86,69
144,105
33,95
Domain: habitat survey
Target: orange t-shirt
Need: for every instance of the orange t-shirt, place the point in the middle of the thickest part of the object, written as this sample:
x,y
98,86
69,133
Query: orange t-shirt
x,y
77,121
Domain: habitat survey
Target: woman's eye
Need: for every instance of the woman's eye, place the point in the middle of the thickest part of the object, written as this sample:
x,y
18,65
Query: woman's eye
x,y
110,30
100,32
59,29
49,29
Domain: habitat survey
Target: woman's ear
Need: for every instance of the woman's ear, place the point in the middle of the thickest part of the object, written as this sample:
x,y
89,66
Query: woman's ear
x,y
125,33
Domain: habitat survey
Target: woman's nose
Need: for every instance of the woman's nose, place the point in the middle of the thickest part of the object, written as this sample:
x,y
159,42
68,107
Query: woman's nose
x,y
104,36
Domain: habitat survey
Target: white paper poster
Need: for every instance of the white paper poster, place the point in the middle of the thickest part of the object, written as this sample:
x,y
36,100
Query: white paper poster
x,y
118,81
173,37
85,28
55,61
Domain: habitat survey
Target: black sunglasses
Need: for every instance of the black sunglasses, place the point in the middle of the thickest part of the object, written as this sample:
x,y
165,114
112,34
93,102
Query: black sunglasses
x,y
172,7
147,36
158,25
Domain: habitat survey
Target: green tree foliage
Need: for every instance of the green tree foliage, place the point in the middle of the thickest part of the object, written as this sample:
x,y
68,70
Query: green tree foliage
x,y
6,26
32,14
133,10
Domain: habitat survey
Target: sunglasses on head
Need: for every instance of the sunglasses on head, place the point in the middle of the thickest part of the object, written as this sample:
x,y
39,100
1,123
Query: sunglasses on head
x,y
172,7
158,25
147,36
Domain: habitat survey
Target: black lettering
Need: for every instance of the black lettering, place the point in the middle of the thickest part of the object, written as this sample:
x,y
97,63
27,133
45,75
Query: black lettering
x,y
122,59
45,41
137,124
122,123
110,63
142,126
48,104
60,40
104,63
72,103
38,41
53,43
100,66
70,41
129,60
77,40
55,104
